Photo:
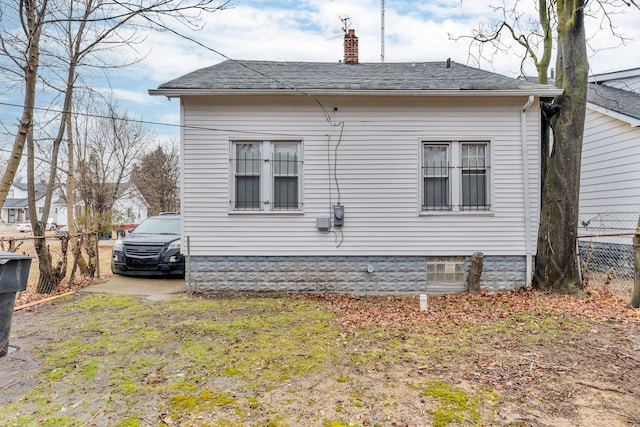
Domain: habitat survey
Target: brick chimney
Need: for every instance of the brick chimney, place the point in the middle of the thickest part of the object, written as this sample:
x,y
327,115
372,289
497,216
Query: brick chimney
x,y
351,47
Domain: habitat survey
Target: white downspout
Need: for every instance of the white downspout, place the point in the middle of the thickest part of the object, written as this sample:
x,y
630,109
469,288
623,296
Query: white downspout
x,y
525,180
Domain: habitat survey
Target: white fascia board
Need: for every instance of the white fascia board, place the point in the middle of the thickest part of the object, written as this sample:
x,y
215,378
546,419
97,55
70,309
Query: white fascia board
x,y
177,93
615,75
618,116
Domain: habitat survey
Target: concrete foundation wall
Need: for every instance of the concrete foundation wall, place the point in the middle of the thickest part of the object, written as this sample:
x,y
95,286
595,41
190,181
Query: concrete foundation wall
x,y
352,274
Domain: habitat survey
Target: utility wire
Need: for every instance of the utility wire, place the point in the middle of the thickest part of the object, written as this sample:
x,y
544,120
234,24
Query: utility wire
x,y
146,122
242,64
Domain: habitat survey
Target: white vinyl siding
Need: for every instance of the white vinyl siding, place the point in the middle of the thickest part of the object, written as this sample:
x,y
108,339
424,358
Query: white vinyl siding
x,y
371,166
609,174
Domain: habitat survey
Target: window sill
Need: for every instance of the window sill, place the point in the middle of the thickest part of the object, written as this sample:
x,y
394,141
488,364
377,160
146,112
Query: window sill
x,y
488,213
266,213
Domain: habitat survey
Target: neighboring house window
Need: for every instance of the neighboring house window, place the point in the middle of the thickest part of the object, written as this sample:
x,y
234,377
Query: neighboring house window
x,y
266,176
455,176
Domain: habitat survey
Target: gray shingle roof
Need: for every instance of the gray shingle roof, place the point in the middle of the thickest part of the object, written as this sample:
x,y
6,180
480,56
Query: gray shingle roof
x,y
41,189
10,203
271,75
619,100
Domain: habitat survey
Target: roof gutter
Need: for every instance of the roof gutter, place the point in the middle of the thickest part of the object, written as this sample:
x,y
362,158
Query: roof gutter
x,y
177,93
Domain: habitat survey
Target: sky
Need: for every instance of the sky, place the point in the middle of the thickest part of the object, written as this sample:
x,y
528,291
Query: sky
x,y
311,30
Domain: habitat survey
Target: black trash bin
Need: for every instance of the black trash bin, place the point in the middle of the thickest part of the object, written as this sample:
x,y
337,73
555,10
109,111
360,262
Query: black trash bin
x,y
14,272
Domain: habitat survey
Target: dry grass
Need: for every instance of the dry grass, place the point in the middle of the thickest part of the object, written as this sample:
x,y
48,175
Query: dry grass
x,y
620,288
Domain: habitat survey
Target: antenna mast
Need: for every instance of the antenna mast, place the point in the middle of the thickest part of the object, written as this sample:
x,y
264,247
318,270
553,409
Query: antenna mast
x,y
382,31
346,22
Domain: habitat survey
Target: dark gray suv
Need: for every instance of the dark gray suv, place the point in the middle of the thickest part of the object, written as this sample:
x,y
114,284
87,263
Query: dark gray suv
x,y
151,249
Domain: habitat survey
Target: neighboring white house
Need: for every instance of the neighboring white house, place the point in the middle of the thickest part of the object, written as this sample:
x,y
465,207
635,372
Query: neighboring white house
x,y
427,163
610,172
130,206
16,209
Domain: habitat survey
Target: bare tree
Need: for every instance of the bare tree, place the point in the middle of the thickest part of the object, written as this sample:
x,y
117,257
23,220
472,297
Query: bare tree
x,y
21,50
77,31
157,178
516,30
104,163
556,266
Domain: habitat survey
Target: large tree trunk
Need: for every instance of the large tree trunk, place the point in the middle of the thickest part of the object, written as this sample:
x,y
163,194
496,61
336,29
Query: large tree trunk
x,y
50,276
556,266
92,254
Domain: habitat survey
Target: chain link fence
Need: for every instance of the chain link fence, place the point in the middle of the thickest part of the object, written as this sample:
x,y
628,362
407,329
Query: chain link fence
x,y
62,249
605,245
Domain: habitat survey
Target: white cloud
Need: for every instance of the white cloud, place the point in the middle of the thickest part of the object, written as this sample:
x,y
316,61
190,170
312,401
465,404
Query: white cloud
x,y
127,96
299,31
262,30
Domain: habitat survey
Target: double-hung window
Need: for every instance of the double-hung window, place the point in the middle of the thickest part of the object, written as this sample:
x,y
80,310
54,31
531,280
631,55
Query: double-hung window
x,y
474,177
266,176
455,176
435,172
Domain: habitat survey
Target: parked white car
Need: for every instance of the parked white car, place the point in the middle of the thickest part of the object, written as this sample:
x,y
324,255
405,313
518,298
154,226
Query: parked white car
x,y
24,227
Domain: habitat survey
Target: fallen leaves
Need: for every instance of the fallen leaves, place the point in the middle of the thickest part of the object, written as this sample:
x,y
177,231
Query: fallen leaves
x,y
463,308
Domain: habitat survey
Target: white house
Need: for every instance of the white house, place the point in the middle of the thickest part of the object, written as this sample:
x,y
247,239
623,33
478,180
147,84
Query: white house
x,y
16,208
130,206
610,175
349,177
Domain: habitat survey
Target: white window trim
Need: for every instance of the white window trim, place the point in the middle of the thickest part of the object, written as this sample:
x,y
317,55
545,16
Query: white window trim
x,y
267,178
455,189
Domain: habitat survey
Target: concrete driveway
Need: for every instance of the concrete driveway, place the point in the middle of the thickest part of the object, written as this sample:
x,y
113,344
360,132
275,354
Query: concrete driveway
x,y
155,287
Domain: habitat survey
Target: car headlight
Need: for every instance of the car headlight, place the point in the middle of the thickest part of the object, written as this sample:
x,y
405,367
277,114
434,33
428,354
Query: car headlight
x,y
175,244
117,246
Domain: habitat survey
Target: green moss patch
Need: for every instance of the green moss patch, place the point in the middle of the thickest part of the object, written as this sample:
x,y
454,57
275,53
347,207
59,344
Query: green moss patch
x,y
454,404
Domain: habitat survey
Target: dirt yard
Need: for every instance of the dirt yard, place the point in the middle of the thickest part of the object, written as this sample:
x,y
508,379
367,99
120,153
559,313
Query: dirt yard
x,y
517,358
